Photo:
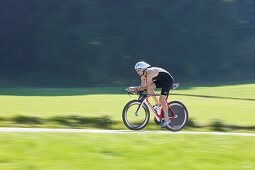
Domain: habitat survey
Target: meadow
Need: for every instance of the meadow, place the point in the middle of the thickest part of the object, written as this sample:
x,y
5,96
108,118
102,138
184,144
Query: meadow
x,y
211,108
223,107
66,151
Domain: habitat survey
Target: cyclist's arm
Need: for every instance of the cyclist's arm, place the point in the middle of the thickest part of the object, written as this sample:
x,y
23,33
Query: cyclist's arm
x,y
143,84
151,74
146,82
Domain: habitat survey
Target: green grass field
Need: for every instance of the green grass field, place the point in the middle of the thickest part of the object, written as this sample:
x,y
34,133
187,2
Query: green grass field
x,y
66,151
231,105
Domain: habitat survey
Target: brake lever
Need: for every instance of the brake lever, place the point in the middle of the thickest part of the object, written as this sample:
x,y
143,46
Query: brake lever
x,y
128,92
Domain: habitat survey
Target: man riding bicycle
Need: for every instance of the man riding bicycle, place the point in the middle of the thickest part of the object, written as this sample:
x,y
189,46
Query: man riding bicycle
x,y
152,78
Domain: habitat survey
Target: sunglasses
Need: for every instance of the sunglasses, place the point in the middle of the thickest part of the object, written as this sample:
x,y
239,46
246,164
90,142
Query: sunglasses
x,y
138,70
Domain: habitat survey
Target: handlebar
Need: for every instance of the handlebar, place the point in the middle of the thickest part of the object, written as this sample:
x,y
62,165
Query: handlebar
x,y
135,92
173,87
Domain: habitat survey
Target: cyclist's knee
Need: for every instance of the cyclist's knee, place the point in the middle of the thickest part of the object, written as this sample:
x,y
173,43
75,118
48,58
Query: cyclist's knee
x,y
162,99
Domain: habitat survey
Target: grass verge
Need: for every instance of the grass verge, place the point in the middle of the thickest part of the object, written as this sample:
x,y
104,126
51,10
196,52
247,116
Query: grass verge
x,y
125,151
230,109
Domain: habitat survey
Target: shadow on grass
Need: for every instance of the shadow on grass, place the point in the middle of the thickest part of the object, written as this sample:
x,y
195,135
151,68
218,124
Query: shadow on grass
x,y
218,125
67,121
214,97
78,121
27,120
107,123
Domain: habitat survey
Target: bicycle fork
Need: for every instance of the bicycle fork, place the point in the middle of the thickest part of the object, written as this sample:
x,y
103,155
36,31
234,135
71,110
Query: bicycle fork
x,y
139,108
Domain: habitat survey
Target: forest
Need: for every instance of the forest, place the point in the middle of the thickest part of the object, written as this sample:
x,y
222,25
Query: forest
x,y
98,42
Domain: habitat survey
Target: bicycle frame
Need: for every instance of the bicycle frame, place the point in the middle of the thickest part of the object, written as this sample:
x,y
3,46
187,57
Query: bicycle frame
x,y
146,102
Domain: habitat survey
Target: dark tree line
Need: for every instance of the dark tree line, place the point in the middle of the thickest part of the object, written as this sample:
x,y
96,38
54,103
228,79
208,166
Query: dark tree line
x,y
97,42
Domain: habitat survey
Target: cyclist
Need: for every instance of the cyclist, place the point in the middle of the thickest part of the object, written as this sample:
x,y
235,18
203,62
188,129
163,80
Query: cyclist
x,y
152,78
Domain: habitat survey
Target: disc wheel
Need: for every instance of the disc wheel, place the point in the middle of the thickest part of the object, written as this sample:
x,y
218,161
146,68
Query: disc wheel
x,y
181,119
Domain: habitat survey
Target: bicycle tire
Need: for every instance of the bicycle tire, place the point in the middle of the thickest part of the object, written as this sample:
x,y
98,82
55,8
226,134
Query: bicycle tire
x,y
130,125
181,120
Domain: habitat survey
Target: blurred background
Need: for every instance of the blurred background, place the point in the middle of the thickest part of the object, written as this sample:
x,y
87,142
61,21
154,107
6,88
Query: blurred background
x,y
97,43
92,46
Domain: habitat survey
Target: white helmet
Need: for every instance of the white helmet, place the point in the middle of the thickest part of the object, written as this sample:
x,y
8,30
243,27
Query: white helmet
x,y
141,65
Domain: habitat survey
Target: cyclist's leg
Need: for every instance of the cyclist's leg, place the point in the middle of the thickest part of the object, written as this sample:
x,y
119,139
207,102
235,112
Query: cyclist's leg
x,y
162,100
163,97
151,91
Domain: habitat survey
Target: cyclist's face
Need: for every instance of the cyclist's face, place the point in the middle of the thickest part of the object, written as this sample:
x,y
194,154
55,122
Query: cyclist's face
x,y
139,71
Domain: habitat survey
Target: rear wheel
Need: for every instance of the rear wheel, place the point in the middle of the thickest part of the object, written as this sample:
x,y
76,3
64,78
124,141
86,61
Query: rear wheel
x,y
181,119
132,120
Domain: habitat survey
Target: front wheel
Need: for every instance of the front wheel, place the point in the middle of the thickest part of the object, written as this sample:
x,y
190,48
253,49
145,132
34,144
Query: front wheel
x,y
181,119
135,120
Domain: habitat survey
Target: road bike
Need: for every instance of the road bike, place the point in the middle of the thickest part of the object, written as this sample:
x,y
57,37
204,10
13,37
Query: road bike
x,y
136,113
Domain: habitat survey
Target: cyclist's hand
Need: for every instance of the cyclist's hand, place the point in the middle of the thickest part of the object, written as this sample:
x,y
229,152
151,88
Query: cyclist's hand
x,y
130,89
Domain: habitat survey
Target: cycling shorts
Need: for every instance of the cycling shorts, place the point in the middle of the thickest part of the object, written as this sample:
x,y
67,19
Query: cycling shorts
x,y
165,81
